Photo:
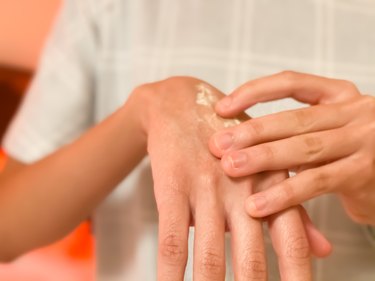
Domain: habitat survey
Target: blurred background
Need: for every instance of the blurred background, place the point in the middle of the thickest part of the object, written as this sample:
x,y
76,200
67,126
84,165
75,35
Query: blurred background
x,y
24,26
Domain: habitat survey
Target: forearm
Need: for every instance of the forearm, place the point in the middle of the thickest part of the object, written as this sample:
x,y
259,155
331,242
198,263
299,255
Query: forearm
x,y
44,201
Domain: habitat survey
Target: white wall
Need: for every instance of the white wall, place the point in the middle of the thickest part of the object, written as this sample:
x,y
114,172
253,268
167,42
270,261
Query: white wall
x,y
24,25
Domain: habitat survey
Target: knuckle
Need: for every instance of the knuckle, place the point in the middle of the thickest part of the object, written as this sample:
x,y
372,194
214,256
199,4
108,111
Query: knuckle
x,y
209,180
173,249
302,119
297,248
289,77
256,128
348,88
263,154
211,263
267,152
349,85
319,180
313,147
253,128
253,265
369,103
166,198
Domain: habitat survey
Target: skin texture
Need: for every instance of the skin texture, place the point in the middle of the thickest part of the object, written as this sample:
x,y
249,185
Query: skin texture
x,y
164,120
203,188
333,143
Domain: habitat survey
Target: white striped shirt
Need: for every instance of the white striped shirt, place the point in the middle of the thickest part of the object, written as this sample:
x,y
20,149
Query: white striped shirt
x,y
101,49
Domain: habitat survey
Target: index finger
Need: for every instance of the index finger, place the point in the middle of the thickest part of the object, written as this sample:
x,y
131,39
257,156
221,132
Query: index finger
x,y
305,88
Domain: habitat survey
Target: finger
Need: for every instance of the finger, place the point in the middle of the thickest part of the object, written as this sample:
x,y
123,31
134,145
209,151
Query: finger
x,y
174,218
281,125
289,237
291,152
319,244
300,188
291,245
248,252
302,87
264,180
301,168
209,251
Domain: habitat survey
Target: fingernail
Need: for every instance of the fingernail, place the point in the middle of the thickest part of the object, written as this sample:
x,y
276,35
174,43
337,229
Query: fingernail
x,y
256,204
238,159
225,102
224,141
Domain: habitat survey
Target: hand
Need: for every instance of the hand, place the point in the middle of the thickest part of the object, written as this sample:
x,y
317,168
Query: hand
x,y
190,188
330,145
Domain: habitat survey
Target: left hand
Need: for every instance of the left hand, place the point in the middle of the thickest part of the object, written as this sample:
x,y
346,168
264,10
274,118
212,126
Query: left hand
x,y
191,188
330,145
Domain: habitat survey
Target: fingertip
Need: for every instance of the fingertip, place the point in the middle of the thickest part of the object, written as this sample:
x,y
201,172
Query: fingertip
x,y
255,206
323,250
224,107
327,249
212,146
320,246
226,165
250,208
225,103
223,141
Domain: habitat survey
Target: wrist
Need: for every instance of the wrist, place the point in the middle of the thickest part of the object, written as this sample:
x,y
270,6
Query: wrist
x,y
135,111
140,103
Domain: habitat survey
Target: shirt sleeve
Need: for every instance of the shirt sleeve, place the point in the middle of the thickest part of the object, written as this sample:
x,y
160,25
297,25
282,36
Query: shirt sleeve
x,y
58,106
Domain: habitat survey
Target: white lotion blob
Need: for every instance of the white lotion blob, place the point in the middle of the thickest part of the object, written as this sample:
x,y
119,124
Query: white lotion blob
x,y
205,97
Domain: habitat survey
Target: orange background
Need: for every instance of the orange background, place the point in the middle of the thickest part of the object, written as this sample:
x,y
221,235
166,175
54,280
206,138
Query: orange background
x,y
24,26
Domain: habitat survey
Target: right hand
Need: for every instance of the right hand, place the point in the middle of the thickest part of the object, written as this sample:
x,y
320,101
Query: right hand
x,y
191,189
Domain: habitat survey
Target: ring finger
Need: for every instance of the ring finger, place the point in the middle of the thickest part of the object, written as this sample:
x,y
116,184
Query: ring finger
x,y
247,246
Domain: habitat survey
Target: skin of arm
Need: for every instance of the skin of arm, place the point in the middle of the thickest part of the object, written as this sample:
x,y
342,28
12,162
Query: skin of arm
x,y
333,143
39,203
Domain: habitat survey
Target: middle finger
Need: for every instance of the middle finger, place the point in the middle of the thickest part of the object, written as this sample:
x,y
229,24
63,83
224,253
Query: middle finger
x,y
291,152
209,250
